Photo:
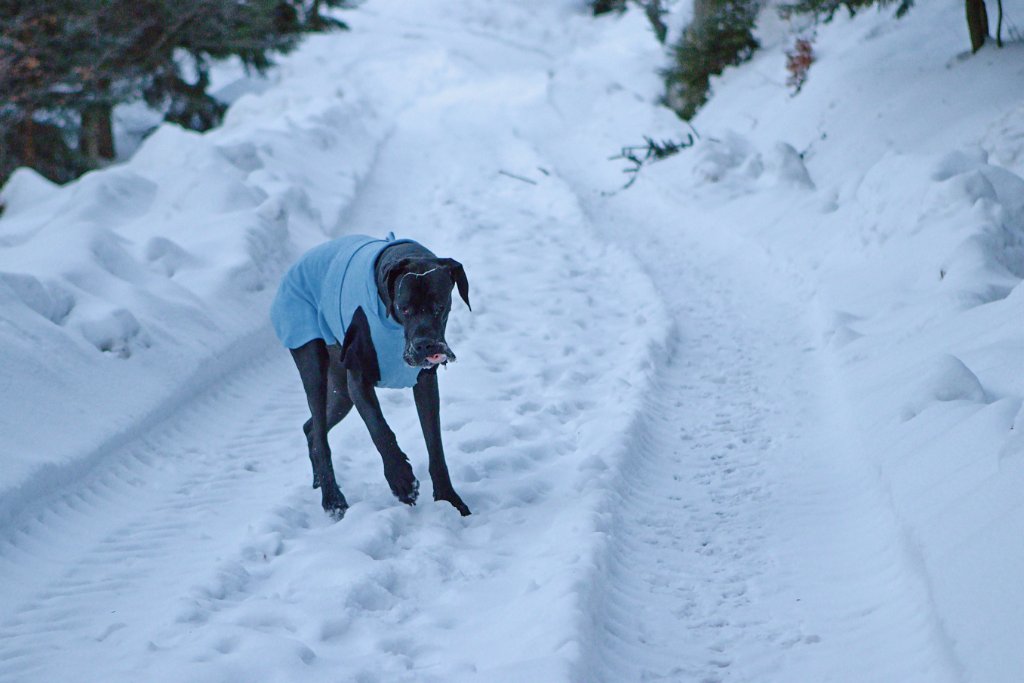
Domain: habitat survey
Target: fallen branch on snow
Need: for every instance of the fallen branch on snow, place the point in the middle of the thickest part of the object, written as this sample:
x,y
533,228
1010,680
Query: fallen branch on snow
x,y
518,177
652,151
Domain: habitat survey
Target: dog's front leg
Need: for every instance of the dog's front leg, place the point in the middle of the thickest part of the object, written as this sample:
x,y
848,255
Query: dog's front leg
x,y
428,406
312,361
397,469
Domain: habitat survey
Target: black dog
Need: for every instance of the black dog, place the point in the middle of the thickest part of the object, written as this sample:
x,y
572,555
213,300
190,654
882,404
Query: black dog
x,y
406,297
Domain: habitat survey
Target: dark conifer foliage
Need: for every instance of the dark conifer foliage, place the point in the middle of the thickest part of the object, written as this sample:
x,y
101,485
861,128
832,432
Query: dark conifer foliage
x,y
826,9
606,6
720,35
311,14
652,8
67,63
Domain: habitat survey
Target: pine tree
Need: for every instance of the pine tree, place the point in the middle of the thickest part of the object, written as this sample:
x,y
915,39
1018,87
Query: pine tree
x,y
826,9
206,31
35,51
72,61
720,35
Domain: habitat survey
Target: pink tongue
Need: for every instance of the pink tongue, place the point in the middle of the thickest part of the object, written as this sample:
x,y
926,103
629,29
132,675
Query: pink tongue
x,y
437,358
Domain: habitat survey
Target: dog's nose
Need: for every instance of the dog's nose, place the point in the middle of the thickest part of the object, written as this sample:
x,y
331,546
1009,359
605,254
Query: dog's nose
x,y
427,347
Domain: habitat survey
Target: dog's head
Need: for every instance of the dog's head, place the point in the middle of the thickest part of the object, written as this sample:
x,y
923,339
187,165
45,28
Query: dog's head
x,y
419,296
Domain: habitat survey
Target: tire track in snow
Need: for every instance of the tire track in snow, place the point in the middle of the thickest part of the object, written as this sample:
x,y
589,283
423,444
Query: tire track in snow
x,y
748,539
137,532
686,560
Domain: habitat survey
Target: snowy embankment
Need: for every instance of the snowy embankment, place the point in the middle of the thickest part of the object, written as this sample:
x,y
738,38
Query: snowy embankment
x,y
909,233
890,194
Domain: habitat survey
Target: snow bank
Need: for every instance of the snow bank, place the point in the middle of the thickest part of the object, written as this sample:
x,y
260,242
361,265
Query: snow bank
x,y
888,192
900,217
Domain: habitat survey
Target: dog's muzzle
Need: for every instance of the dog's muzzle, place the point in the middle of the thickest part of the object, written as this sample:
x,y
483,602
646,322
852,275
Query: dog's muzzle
x,y
428,355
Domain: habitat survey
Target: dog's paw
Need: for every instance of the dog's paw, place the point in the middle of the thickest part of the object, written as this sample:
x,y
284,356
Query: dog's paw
x,y
402,481
411,494
455,500
334,503
316,481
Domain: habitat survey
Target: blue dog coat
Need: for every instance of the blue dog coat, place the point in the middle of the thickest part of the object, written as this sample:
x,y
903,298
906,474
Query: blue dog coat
x,y
320,293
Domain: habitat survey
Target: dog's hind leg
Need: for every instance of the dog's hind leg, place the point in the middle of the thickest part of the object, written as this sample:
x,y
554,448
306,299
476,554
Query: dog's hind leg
x,y
428,406
397,469
338,402
313,363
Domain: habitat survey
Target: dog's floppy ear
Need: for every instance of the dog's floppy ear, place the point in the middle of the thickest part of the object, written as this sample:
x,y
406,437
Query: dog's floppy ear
x,y
458,274
391,275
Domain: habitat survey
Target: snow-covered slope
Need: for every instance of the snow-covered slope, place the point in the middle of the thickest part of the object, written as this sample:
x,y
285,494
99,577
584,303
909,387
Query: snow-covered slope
x,y
911,245
756,418
889,192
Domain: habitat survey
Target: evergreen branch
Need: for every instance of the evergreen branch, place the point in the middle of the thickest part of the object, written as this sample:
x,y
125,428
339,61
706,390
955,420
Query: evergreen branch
x,y
651,152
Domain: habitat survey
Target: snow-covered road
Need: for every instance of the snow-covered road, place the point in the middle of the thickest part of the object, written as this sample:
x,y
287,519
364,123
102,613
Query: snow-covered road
x,y
197,551
749,540
667,483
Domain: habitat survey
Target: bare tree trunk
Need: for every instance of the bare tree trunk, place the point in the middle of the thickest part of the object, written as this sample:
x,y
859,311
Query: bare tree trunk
x,y
977,23
96,139
26,133
999,24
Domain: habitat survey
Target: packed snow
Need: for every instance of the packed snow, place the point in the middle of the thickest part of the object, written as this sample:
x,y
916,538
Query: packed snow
x,y
757,417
